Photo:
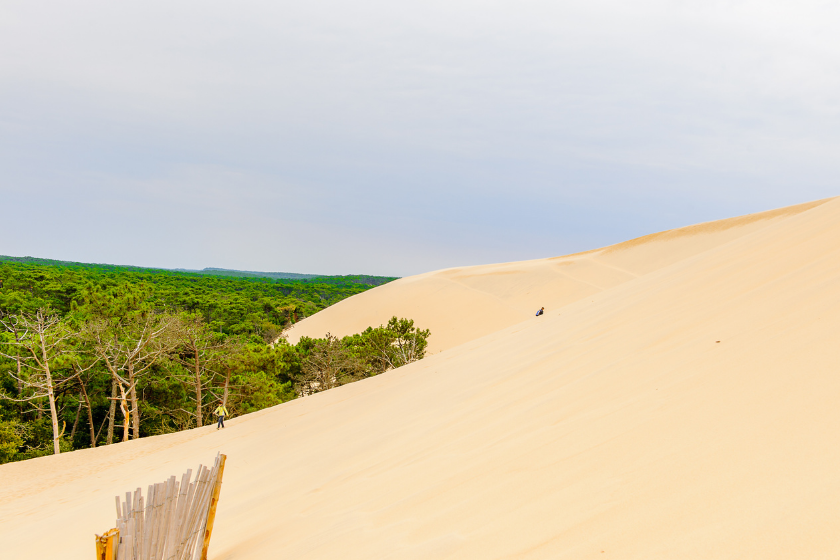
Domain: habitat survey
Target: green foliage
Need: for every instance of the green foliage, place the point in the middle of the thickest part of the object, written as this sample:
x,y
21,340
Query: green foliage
x,y
329,362
389,346
26,440
12,437
258,390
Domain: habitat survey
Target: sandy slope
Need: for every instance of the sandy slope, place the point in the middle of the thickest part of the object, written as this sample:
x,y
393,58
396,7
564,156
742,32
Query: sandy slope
x,y
615,427
462,304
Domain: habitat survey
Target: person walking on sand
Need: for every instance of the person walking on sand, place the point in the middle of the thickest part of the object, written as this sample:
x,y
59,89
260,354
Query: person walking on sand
x,y
221,412
540,312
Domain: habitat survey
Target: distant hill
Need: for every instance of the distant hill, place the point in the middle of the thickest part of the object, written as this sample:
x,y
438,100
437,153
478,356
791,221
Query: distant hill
x,y
250,273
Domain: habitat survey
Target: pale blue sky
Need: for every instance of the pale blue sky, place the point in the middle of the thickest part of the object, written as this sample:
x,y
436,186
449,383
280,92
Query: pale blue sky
x,y
391,138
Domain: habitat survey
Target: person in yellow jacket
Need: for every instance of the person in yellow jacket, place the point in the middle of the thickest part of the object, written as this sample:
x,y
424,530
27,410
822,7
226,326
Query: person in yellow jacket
x,y
221,412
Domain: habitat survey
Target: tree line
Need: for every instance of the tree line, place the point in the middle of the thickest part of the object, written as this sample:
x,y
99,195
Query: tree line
x,y
120,361
254,307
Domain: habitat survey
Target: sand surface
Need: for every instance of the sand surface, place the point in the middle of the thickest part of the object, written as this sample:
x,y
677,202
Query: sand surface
x,y
679,400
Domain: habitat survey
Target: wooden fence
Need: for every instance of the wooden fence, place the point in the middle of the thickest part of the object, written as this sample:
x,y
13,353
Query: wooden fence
x,y
173,522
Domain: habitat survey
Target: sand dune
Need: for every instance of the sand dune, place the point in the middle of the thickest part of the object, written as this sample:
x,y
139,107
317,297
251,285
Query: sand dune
x,y
462,304
679,400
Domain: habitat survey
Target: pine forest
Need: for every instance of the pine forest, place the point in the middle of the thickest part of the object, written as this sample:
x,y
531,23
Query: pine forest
x,y
96,354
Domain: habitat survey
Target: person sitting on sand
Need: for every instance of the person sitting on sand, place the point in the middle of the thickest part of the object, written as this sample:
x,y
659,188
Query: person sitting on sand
x,y
221,412
540,312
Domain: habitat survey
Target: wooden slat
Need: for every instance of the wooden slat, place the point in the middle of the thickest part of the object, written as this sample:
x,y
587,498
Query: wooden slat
x,y
139,527
183,535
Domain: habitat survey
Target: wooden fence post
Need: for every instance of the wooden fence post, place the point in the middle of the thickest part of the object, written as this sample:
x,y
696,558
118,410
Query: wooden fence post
x,y
105,544
211,516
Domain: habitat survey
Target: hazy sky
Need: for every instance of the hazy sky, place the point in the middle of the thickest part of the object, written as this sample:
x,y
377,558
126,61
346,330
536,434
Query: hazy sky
x,y
394,137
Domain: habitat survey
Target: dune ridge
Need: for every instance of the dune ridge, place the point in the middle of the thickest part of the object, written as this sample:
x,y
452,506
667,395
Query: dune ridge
x,y
687,409
461,304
